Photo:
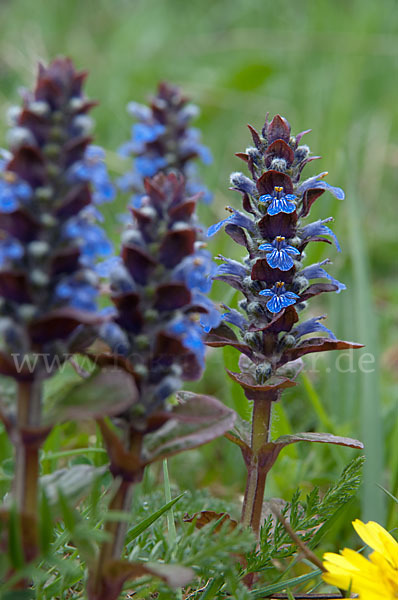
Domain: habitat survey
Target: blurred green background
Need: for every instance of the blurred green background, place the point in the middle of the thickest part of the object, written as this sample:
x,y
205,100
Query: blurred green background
x,y
326,65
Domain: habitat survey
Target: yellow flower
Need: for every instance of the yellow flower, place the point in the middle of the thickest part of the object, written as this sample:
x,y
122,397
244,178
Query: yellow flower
x,y
373,579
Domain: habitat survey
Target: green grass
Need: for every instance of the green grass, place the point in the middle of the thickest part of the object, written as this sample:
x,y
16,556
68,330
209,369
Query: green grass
x,y
326,65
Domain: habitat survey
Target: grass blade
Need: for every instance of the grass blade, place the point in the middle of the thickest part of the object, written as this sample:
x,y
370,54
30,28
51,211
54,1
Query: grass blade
x,y
138,529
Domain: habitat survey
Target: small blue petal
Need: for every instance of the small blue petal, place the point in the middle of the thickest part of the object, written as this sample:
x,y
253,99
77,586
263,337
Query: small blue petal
x,y
142,132
266,247
279,259
191,335
291,296
230,267
205,155
10,249
280,205
265,198
105,268
213,229
235,317
311,326
319,228
77,294
275,304
149,166
196,270
317,183
92,169
237,218
266,293
315,271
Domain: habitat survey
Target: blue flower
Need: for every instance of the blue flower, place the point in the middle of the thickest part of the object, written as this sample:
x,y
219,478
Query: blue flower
x,y
93,169
148,166
204,154
194,186
279,254
13,191
106,267
143,132
317,183
190,145
279,202
191,335
212,317
129,181
90,237
318,228
311,326
196,270
236,218
10,249
235,317
279,298
231,267
315,271
77,294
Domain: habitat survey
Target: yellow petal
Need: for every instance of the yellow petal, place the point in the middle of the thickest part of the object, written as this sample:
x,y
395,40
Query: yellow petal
x,y
375,536
340,581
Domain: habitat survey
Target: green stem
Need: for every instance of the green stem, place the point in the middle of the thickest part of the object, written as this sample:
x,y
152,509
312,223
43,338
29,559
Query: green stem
x,y
256,465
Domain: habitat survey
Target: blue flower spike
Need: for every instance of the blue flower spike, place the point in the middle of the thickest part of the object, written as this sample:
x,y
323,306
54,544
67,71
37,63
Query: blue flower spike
x,y
279,253
163,140
279,202
49,234
279,297
166,316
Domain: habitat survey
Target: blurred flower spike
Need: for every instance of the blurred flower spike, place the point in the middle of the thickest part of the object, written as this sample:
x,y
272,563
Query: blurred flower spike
x,y
163,141
158,288
50,182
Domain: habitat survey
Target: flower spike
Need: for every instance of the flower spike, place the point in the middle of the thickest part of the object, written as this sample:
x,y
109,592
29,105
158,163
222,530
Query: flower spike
x,y
275,282
275,287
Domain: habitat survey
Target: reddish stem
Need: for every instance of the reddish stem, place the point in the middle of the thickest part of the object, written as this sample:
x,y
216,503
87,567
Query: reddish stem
x,y
257,465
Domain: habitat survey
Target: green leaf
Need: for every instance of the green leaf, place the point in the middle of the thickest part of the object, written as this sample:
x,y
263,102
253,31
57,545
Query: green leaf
x,y
138,529
240,433
282,585
19,595
196,420
69,516
323,438
45,528
389,494
106,393
329,524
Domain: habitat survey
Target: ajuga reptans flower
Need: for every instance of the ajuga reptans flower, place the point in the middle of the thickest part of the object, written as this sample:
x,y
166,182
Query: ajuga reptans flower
x,y
50,183
273,279
163,141
158,287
